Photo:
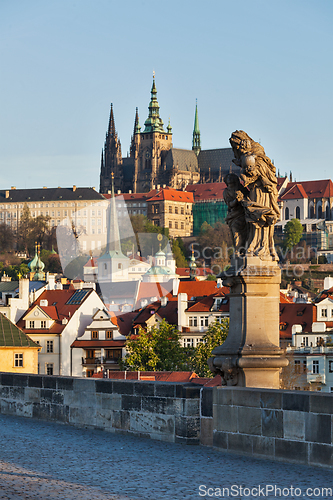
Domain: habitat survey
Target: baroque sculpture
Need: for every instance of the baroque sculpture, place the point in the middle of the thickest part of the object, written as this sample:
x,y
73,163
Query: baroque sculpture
x,y
251,355
252,206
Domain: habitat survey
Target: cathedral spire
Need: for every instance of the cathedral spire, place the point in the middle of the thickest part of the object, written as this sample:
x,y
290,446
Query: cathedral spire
x,y
112,126
113,236
196,146
154,123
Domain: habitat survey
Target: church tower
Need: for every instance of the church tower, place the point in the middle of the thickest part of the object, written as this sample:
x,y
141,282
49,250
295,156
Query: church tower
x,y
150,146
196,146
111,159
113,264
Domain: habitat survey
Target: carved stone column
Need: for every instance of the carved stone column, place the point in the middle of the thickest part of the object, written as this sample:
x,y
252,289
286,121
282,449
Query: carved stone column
x,y
251,356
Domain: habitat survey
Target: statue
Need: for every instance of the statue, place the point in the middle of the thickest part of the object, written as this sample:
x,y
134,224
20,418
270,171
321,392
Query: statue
x,y
252,207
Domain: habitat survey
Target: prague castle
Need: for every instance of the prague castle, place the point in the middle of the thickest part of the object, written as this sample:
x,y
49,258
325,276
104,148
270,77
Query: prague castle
x,y
154,161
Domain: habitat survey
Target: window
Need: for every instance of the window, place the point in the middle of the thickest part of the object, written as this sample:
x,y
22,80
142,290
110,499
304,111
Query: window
x,y
305,341
297,366
170,209
188,343
18,359
31,324
176,210
330,366
193,321
182,225
182,210
49,346
315,366
49,368
43,324
298,213
94,335
324,313
109,334
120,266
287,213
176,225
170,224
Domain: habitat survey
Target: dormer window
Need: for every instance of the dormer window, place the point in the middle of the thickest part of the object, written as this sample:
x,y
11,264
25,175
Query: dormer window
x,y
94,335
31,324
109,334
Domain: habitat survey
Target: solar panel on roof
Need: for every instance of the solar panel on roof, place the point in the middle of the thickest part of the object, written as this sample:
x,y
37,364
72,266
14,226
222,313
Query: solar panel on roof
x,y
77,297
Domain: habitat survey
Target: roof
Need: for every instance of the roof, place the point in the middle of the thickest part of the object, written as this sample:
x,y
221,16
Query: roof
x,y
152,289
199,271
296,314
134,196
119,290
294,191
154,376
209,191
90,344
124,322
12,336
205,304
49,194
284,299
172,195
182,159
196,288
312,189
168,312
216,159
62,304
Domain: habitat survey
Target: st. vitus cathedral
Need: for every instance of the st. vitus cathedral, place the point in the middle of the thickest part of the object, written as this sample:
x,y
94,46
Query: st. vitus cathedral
x,y
154,161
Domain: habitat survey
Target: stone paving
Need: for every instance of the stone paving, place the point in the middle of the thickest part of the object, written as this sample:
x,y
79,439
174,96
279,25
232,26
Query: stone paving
x,y
42,460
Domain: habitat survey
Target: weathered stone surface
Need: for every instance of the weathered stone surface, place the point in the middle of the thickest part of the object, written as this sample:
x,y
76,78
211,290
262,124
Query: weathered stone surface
x,y
222,396
294,425
272,423
122,387
187,391
105,386
84,385
264,446
165,390
296,451
225,418
271,399
191,407
240,442
295,401
104,419
206,431
24,409
41,410
132,403
206,406
144,388
220,439
65,383
321,403
121,420
20,380
152,424
318,428
32,394
8,407
188,427
321,454
243,397
249,420
82,416
59,413
50,382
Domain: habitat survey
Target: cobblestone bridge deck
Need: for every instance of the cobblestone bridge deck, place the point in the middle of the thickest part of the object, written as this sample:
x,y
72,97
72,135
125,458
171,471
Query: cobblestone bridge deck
x,y
41,460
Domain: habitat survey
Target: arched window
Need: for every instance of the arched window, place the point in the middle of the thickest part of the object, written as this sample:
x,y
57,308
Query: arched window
x,y
327,215
311,211
298,213
287,213
319,211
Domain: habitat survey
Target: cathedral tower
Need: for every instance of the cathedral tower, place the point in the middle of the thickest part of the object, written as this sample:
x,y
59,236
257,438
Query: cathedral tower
x,y
111,160
150,147
196,146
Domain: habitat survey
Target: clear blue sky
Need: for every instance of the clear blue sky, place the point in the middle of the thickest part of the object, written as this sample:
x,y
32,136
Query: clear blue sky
x,y
264,66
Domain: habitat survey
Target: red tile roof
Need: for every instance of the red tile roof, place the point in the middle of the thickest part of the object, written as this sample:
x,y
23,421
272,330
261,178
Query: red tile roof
x,y
196,288
91,344
200,271
157,376
209,191
134,196
312,189
296,314
172,195
294,191
205,304
58,309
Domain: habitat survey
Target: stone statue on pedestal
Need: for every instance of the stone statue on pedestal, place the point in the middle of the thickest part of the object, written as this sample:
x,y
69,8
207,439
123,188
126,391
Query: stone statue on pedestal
x,y
252,207
251,355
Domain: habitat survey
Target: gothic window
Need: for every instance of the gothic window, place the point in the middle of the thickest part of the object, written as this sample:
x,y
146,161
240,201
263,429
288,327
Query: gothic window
x,y
298,213
176,225
320,211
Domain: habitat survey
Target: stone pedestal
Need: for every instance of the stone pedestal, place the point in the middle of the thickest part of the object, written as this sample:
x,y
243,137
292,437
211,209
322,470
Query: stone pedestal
x,y
251,356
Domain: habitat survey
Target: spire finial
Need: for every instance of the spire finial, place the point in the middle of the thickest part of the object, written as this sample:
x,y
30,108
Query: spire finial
x,y
154,74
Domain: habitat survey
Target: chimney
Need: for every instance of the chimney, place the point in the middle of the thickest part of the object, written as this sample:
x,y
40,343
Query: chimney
x,y
158,186
130,191
164,301
7,194
182,306
175,286
74,189
13,188
44,187
119,191
109,192
164,186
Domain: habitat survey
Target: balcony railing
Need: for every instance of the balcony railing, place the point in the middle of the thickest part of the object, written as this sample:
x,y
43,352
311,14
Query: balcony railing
x,y
99,361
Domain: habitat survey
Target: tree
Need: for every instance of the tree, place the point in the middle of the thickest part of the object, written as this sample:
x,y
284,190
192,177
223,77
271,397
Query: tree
x,y
178,254
215,335
292,233
155,349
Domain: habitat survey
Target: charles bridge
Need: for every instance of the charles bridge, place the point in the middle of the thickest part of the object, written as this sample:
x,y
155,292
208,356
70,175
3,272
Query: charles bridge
x,y
89,438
